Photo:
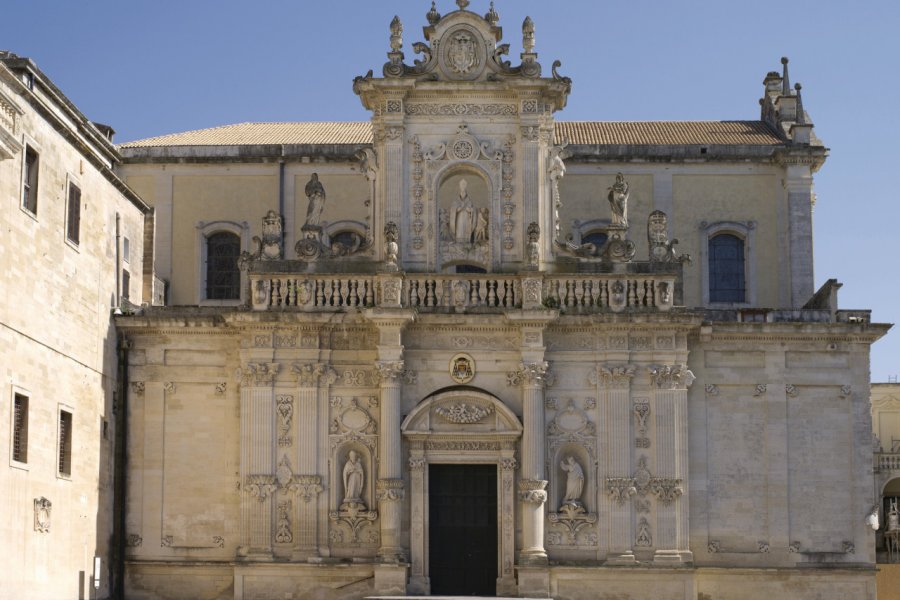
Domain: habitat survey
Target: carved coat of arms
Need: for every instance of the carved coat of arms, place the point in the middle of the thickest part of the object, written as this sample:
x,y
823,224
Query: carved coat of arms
x,y
462,55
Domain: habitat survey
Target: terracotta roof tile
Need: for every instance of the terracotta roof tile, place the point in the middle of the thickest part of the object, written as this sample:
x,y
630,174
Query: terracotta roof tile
x,y
655,133
652,133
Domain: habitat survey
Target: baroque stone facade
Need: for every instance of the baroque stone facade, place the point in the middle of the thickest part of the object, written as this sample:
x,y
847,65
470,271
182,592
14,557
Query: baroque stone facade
x,y
463,309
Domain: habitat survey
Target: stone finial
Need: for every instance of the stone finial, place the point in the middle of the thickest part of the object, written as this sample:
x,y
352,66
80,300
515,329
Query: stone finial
x,y
433,15
785,81
528,35
801,116
492,17
396,34
462,4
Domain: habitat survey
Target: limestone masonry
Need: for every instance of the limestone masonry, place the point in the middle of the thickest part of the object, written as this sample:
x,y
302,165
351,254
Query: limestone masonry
x,y
464,348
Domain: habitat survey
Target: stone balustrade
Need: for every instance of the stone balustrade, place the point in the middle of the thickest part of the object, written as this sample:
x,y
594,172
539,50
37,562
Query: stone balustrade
x,y
463,292
887,461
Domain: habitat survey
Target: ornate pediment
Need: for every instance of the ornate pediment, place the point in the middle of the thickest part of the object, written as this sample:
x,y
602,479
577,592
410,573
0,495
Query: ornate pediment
x,y
461,412
463,46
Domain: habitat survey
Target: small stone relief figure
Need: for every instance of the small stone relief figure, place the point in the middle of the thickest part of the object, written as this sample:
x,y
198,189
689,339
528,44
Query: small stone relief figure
x,y
534,250
574,482
315,191
446,233
893,517
354,478
462,215
618,201
481,225
391,247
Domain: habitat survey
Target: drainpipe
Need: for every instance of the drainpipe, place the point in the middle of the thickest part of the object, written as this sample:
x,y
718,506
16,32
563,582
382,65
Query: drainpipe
x,y
117,309
281,195
120,458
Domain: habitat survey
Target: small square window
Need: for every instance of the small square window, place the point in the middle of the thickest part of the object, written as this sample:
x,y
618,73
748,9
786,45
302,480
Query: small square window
x,y
73,214
20,429
65,443
30,180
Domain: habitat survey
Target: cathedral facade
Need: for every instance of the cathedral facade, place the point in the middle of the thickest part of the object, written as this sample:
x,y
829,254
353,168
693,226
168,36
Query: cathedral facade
x,y
468,348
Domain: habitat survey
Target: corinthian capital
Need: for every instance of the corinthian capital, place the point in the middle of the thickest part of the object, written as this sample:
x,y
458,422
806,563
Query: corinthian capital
x,y
531,374
309,374
533,491
671,377
612,376
259,373
389,372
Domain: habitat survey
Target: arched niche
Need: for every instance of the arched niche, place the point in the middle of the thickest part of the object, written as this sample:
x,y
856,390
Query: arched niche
x,y
465,225
463,426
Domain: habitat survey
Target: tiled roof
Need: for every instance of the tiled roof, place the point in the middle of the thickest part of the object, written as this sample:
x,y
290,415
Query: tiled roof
x,y
657,133
651,133
250,134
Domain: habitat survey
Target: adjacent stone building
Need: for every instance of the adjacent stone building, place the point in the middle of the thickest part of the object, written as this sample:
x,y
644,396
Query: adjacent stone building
x,y
457,349
71,247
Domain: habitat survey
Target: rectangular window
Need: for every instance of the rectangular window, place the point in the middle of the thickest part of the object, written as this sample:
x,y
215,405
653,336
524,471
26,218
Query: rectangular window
x,y
30,180
73,214
126,284
65,443
20,429
126,249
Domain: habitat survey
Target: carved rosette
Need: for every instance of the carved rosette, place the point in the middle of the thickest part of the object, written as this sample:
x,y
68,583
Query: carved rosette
x,y
258,374
620,489
308,375
531,375
533,491
612,376
671,377
390,490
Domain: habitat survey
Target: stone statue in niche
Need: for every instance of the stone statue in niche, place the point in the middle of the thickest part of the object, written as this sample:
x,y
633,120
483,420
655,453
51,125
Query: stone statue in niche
x,y
446,233
618,201
482,221
574,483
354,478
462,215
315,191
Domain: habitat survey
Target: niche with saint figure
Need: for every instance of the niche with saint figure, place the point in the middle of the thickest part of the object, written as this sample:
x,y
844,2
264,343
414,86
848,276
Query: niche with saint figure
x,y
464,221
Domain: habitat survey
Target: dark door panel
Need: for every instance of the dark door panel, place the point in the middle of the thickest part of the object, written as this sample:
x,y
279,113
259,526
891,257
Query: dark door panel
x,y
462,545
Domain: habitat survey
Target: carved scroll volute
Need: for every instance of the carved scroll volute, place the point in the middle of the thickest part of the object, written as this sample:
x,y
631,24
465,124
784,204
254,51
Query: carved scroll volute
x,y
671,377
309,375
531,375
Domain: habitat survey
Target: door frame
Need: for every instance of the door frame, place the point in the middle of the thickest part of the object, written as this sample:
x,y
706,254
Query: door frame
x,y
490,440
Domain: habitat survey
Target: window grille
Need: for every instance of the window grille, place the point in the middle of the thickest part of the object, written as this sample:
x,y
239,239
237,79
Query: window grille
x,y
726,269
30,181
73,214
20,429
223,277
65,443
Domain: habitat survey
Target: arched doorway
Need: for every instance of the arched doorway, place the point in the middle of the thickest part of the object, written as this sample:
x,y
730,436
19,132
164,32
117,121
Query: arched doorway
x,y
462,446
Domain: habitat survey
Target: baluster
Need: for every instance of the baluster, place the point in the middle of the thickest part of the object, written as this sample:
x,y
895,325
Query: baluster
x,y
632,293
429,292
276,292
329,291
475,292
604,293
320,292
579,292
354,292
292,292
370,294
506,300
592,298
641,292
492,292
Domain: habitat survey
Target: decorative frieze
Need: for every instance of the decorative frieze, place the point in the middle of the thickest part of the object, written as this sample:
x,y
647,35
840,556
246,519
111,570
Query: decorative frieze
x,y
459,109
464,414
666,489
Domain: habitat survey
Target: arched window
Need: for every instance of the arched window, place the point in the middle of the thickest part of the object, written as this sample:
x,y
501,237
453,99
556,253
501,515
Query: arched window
x,y
726,269
597,238
223,277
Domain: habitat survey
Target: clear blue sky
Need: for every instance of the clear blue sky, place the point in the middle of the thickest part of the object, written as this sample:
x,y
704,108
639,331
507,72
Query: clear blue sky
x,y
150,68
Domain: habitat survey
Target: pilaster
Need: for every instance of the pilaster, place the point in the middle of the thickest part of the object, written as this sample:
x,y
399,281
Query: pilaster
x,y
800,200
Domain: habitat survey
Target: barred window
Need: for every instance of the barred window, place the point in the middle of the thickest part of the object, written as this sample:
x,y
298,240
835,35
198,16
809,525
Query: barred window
x,y
20,429
726,269
30,180
65,443
223,277
73,214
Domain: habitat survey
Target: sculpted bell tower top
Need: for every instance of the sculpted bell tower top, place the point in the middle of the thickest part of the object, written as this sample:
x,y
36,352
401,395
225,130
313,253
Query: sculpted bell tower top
x,y
463,46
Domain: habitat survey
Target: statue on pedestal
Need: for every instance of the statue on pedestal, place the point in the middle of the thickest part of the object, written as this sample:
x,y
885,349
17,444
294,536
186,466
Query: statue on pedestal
x,y
462,215
354,478
618,202
574,483
315,191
